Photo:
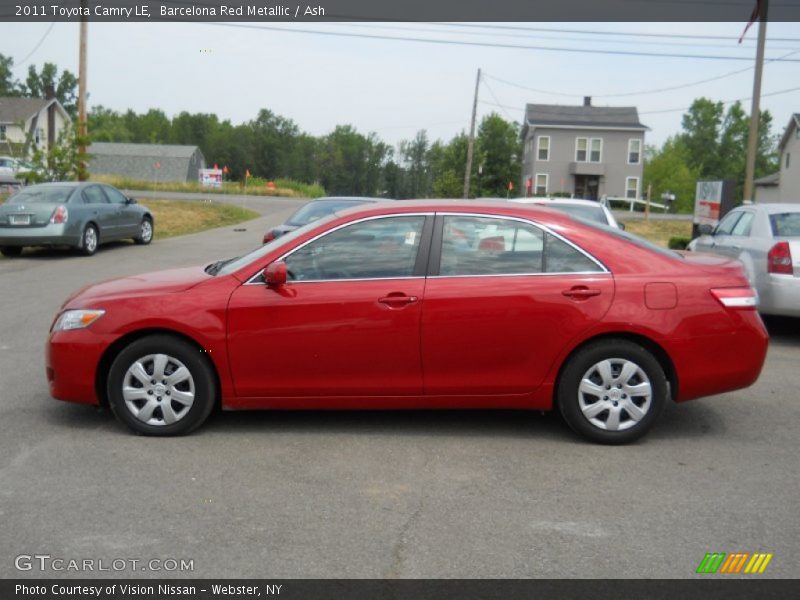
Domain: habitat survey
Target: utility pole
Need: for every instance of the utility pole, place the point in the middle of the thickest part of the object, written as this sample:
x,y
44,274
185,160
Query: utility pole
x,y
755,111
82,91
471,143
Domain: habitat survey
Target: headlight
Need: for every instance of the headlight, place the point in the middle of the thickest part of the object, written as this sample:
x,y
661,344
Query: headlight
x,y
77,319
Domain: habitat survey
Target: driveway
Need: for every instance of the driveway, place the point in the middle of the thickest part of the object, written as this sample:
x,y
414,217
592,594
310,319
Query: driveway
x,y
360,494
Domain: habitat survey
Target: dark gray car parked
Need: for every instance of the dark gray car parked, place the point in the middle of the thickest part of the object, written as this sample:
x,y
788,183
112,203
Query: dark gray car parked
x,y
79,215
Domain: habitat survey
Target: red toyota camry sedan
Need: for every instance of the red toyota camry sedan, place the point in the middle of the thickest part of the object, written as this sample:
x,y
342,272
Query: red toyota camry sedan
x,y
424,304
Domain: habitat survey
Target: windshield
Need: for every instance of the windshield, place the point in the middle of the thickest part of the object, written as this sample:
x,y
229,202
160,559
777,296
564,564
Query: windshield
x,y
589,213
785,224
317,209
42,195
235,264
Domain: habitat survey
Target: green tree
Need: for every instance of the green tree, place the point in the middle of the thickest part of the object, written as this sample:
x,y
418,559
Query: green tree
x,y
667,170
8,85
499,154
64,85
64,161
448,162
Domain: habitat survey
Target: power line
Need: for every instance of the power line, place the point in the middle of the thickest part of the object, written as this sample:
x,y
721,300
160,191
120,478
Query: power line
x,y
36,47
560,38
668,110
486,44
491,92
685,36
639,93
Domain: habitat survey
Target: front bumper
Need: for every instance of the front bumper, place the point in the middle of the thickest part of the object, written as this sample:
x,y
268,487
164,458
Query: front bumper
x,y
71,359
47,235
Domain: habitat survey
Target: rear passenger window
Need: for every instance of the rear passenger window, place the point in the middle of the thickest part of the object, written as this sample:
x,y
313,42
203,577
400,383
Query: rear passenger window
x,y
94,195
743,225
494,246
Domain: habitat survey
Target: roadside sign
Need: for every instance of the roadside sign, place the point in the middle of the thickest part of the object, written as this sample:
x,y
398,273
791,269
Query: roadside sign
x,y
211,178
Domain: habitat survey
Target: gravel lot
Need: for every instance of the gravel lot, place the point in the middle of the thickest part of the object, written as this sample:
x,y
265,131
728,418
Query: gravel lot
x,y
416,494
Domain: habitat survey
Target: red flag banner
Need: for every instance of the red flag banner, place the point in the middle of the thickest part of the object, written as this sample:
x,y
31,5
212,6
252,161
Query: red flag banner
x,y
157,164
753,18
225,169
247,173
510,186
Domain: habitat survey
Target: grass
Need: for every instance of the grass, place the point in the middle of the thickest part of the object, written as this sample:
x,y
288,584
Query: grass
x,y
659,232
176,217
255,186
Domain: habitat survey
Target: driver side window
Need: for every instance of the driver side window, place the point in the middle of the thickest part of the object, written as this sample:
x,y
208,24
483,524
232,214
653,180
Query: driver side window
x,y
380,248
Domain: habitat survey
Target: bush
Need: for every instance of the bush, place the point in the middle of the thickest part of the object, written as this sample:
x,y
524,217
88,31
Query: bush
x,y
678,242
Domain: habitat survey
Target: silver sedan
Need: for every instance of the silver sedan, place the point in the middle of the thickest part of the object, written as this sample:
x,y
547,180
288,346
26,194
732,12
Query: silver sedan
x,y
80,215
766,239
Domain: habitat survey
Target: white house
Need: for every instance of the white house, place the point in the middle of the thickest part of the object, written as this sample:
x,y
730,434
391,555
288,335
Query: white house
x,y
783,185
30,123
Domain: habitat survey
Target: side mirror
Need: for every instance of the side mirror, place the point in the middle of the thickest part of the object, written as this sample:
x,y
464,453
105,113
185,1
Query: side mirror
x,y
129,200
621,226
705,229
275,274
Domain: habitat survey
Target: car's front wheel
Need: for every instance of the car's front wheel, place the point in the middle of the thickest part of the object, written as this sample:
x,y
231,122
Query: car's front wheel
x,y
145,232
161,385
10,251
612,391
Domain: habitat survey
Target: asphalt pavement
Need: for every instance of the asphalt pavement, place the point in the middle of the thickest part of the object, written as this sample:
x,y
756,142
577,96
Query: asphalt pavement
x,y
378,494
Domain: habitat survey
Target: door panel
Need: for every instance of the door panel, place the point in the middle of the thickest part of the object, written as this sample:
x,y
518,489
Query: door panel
x,y
331,338
100,211
503,299
500,335
126,216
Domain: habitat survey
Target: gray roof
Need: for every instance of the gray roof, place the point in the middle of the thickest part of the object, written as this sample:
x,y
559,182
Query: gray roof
x,y
14,110
771,179
147,150
793,122
610,117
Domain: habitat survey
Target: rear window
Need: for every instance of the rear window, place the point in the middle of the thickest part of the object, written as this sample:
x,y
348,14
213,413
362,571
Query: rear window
x,y
589,213
42,195
319,208
633,239
785,224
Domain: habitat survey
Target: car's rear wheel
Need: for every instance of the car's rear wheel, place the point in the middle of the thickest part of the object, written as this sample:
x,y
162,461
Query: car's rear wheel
x,y
89,240
10,251
612,391
145,232
161,385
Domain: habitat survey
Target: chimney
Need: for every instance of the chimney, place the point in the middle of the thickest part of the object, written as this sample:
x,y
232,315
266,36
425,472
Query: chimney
x,y
587,100
50,94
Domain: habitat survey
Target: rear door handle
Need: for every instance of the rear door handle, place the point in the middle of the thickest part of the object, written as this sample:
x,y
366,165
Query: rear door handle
x,y
397,300
580,292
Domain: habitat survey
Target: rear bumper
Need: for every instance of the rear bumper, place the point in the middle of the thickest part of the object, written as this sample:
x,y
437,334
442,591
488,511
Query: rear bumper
x,y
49,235
71,359
723,362
780,295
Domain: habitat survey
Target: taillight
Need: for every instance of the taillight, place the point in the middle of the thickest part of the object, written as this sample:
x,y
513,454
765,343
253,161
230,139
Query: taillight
x,y
779,259
60,215
269,236
738,297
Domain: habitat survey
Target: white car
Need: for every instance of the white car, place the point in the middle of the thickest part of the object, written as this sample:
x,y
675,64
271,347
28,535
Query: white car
x,y
12,168
589,210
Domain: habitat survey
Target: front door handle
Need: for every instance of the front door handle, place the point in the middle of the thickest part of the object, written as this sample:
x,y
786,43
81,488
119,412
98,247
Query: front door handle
x,y
397,300
580,292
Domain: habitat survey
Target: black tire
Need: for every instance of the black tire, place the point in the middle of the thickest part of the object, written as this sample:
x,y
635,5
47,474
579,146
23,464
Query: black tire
x,y
155,399
614,404
144,238
90,240
11,251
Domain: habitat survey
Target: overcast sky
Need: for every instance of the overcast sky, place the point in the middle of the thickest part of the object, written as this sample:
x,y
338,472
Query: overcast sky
x,y
396,88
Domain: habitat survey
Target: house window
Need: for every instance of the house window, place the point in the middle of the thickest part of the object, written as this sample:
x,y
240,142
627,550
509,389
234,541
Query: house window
x,y
544,147
581,146
39,136
2,132
634,152
632,187
787,154
596,150
541,184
